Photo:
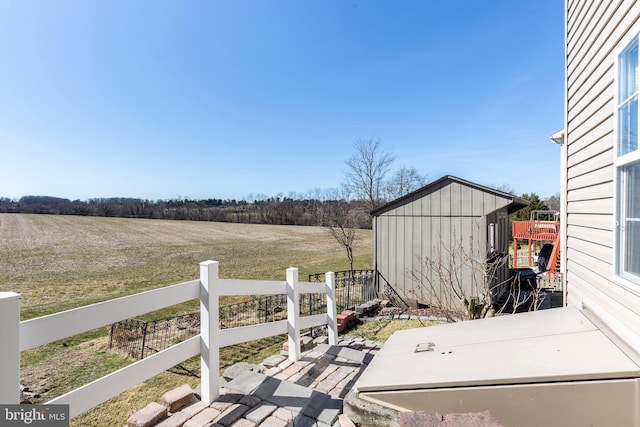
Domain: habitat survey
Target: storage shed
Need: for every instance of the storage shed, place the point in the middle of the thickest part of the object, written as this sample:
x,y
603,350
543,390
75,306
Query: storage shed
x,y
444,221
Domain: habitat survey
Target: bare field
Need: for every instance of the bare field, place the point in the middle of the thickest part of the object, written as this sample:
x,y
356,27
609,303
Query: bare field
x,y
59,262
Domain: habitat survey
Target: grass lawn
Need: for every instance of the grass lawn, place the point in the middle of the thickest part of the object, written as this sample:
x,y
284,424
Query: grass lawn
x,y
61,262
381,330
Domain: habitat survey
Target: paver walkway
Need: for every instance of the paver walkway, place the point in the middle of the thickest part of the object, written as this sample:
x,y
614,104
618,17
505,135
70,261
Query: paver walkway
x,y
281,392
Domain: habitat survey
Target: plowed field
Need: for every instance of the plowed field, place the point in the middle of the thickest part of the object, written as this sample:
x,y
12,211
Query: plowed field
x,y
60,262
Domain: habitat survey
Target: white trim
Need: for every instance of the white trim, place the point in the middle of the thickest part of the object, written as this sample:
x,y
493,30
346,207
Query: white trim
x,y
564,149
619,276
627,284
626,159
614,226
632,33
621,161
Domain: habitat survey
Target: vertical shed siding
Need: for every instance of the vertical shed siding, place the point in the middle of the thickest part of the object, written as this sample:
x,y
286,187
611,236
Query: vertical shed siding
x,y
428,225
594,32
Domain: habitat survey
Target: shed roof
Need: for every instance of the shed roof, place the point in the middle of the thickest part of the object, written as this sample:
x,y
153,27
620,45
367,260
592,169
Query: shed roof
x,y
516,203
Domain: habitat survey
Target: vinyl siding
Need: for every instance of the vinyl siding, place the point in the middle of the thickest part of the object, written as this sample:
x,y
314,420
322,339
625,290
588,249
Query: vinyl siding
x,y
595,31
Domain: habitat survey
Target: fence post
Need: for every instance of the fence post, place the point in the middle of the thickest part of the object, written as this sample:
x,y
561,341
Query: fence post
x,y
144,339
111,332
209,334
349,290
293,314
332,315
10,348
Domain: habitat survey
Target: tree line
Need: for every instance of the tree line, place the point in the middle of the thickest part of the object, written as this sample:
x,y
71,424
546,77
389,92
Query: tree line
x,y
312,209
369,183
371,180
277,210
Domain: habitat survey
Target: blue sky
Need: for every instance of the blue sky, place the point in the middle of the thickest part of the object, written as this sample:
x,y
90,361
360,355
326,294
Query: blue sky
x,y
160,99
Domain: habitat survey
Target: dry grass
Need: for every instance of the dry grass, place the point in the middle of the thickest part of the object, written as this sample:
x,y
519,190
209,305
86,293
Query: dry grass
x,y
61,262
381,330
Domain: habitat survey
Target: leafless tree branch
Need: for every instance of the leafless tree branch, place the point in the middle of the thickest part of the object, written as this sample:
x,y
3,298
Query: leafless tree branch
x,y
462,281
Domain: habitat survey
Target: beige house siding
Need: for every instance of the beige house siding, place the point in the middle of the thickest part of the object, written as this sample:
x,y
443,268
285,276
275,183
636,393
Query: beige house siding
x,y
595,31
429,222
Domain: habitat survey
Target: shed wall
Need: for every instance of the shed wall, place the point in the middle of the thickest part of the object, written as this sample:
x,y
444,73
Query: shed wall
x,y
444,218
594,31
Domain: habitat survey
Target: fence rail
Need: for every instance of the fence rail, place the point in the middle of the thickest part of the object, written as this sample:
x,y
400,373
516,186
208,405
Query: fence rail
x,y
139,338
17,336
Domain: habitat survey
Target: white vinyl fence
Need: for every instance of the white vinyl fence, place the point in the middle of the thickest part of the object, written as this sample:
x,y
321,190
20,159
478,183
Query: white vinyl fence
x,y
17,336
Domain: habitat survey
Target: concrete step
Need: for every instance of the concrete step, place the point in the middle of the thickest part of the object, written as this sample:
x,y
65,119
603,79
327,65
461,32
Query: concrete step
x,y
303,402
346,353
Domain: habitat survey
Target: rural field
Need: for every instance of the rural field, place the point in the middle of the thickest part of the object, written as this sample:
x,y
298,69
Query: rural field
x,y
61,262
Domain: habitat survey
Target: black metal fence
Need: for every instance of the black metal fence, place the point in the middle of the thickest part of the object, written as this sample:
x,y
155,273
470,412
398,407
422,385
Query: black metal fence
x,y
353,287
390,293
139,338
260,309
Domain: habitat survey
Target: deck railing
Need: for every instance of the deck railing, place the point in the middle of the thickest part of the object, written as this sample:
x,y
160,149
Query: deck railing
x,y
535,230
17,336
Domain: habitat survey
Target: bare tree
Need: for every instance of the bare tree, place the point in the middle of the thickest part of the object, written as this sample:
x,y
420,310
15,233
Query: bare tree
x,y
404,181
459,281
553,202
346,236
504,187
464,282
342,220
366,171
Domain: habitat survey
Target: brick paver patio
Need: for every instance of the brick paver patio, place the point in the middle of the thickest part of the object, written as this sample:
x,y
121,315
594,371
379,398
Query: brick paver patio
x,y
280,393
